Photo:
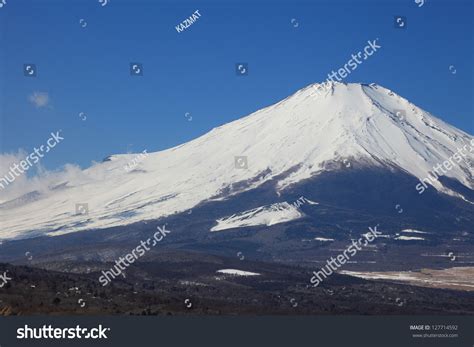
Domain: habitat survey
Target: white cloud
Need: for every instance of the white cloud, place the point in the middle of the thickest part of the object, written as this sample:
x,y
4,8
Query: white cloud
x,y
39,99
38,178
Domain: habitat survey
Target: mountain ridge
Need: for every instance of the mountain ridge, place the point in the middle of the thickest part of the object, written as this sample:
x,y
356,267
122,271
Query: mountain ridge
x,y
289,141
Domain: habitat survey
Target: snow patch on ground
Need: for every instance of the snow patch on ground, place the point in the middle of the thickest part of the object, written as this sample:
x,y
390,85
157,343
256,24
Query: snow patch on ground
x,y
263,215
322,239
409,238
460,278
235,272
413,231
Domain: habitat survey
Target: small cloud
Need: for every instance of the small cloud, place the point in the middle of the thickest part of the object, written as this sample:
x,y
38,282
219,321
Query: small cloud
x,y
39,99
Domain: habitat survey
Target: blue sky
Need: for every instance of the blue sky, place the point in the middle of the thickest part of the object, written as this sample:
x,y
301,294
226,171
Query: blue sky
x,y
86,69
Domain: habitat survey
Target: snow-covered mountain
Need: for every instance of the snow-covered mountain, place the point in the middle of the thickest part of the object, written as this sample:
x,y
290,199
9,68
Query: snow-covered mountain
x,y
293,140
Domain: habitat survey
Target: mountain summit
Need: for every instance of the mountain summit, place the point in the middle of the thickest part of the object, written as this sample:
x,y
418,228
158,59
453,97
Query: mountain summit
x,y
293,140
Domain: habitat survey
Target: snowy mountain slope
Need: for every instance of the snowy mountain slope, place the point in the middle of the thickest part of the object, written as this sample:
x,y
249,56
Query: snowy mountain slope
x,y
294,139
